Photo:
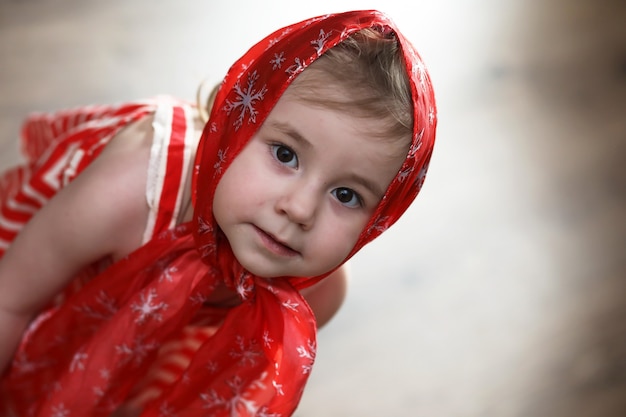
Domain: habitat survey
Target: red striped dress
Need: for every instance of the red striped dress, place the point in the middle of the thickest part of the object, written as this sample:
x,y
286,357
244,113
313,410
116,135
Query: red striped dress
x,y
58,146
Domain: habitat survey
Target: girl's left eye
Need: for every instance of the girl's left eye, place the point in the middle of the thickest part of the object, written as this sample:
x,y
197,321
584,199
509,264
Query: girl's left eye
x,y
347,197
285,155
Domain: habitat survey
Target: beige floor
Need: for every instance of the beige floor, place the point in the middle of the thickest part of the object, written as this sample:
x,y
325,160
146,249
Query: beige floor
x,y
502,292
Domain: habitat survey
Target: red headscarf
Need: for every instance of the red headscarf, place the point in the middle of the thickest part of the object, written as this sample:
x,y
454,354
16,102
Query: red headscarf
x,y
258,362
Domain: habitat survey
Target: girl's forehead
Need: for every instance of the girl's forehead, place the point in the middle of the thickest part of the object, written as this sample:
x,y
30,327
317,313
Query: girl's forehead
x,y
313,124
338,100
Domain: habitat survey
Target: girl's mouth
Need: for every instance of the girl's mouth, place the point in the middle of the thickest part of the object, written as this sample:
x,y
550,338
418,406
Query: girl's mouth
x,y
274,245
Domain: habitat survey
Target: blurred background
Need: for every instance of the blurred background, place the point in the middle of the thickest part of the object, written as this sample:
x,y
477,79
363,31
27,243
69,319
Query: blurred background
x,y
502,292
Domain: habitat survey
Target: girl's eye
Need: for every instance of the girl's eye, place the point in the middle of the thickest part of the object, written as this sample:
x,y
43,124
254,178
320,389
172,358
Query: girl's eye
x,y
347,197
285,155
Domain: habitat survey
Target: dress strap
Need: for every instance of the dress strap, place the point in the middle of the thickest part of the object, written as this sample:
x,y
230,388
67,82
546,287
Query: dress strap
x,y
171,159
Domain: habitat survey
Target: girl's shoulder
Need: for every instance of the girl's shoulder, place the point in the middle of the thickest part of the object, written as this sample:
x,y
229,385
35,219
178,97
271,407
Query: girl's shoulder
x,y
162,146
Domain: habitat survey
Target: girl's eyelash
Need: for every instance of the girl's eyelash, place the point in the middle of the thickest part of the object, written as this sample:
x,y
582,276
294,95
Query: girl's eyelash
x,y
360,203
274,147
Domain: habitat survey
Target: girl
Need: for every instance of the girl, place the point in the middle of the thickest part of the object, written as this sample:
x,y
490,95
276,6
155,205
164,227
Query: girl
x,y
155,282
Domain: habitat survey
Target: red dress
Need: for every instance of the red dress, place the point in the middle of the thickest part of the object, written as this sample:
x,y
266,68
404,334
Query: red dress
x,y
58,146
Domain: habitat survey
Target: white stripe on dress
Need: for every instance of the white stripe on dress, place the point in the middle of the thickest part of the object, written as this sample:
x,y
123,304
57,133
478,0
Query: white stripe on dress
x,y
162,125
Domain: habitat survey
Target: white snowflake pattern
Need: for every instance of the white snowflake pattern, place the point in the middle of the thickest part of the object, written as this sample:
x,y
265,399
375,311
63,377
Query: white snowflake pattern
x,y
136,353
198,298
271,289
264,412
316,19
416,145
167,273
24,366
105,374
59,411
273,42
78,361
344,34
169,234
260,381
204,226
244,67
307,352
107,307
245,286
246,100
221,159
234,403
404,174
277,61
277,39
319,43
295,69
380,225
431,115
279,388
147,307
212,367
419,70
52,387
98,392
419,181
267,340
291,305
166,411
247,353
207,249
186,379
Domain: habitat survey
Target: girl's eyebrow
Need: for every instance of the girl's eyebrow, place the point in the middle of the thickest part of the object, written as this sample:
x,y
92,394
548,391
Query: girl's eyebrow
x,y
373,187
291,132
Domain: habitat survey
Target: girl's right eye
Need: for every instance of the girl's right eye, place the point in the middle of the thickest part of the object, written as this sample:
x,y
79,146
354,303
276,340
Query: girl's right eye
x,y
348,197
285,155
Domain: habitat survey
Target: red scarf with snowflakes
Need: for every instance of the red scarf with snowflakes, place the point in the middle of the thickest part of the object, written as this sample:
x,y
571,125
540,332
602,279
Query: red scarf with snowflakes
x,y
258,360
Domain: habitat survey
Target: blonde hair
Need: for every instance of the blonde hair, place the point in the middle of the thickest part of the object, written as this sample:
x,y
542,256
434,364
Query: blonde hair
x,y
205,105
365,76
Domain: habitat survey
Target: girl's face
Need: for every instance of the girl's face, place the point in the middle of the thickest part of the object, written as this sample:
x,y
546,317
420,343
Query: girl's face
x,y
295,200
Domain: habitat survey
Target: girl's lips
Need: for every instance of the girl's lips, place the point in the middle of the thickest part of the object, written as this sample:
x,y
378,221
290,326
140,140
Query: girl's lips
x,y
274,245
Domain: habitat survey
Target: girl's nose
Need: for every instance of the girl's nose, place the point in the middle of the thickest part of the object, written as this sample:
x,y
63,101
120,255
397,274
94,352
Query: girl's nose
x,y
299,204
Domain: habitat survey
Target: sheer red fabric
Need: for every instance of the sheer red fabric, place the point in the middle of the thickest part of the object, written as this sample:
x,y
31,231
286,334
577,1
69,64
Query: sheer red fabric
x,y
259,359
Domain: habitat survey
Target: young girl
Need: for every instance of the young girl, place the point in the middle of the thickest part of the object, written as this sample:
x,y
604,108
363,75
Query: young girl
x,y
135,281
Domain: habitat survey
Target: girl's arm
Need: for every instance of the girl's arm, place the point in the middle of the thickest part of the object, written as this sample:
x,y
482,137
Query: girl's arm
x,y
326,297
101,213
